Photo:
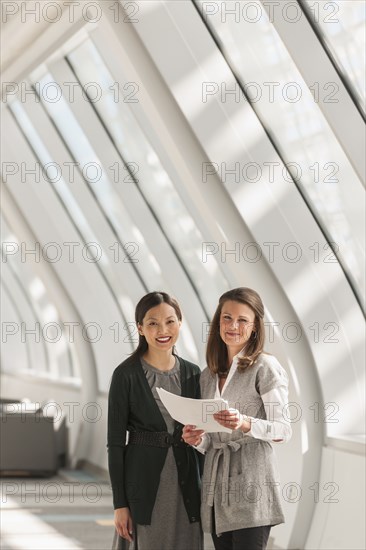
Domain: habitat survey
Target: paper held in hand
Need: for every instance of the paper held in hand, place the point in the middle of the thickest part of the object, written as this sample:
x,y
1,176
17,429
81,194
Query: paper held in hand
x,y
198,412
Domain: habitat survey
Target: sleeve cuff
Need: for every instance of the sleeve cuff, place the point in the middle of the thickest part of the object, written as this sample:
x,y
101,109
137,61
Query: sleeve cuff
x,y
203,446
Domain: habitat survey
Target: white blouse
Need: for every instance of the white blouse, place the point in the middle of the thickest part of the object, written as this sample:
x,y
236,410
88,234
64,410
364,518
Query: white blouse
x,y
277,425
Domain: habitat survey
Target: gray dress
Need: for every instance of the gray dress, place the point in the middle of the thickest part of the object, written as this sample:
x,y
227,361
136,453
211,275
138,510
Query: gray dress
x,y
170,527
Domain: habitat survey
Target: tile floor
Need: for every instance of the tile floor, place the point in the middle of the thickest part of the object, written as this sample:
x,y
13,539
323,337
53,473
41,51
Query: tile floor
x,y
70,511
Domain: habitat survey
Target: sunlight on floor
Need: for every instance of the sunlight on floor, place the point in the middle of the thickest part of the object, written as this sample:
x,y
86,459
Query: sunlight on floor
x,y
22,530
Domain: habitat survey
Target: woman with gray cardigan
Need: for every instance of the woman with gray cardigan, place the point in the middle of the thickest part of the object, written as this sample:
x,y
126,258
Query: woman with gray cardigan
x,y
240,485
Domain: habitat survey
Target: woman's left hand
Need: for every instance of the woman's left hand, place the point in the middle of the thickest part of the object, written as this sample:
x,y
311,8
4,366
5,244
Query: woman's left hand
x,y
191,435
233,419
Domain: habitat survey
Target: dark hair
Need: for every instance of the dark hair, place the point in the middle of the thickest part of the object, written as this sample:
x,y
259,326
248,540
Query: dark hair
x,y
216,354
147,302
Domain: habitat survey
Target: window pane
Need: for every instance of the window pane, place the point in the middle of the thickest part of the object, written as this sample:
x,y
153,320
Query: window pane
x,y
73,208
102,185
299,129
153,180
114,209
342,25
53,355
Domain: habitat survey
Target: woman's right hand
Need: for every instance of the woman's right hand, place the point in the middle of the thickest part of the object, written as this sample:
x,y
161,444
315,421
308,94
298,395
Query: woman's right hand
x,y
192,436
123,523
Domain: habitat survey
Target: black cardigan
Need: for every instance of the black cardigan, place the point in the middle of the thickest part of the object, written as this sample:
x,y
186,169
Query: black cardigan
x,y
135,469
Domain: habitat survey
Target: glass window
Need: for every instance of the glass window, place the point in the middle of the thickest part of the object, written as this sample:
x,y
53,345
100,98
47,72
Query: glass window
x,y
342,25
104,189
152,179
290,113
49,350
74,209
98,180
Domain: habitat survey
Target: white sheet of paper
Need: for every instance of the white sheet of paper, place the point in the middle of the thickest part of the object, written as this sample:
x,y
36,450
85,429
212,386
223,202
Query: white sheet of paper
x,y
198,412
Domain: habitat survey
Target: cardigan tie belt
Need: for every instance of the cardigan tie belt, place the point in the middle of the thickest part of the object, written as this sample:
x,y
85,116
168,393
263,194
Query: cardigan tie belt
x,y
224,449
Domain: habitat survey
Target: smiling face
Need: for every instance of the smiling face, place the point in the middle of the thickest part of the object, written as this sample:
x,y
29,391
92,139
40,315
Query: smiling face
x,y
237,322
160,326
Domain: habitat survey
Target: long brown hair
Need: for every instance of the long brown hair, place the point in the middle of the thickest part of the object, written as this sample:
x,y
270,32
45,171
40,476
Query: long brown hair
x,y
147,302
216,354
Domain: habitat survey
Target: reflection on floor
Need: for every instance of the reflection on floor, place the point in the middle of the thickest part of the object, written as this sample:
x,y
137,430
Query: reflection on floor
x,y
70,511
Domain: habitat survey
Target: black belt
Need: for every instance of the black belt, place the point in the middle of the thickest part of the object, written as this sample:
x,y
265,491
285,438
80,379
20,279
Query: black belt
x,y
154,439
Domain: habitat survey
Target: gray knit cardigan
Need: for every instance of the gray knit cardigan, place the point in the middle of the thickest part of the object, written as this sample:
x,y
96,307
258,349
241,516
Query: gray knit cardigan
x,y
240,483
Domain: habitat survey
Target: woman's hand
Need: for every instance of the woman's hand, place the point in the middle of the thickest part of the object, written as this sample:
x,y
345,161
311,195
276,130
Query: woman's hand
x,y
192,436
123,523
233,419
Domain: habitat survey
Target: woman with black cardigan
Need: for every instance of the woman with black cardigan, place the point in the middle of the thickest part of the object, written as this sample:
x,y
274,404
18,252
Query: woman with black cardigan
x,y
155,476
